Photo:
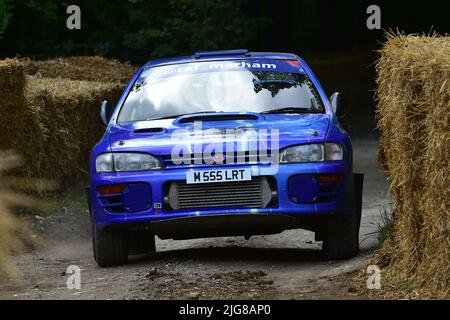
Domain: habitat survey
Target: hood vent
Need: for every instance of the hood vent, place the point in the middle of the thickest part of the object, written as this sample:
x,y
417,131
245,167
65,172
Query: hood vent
x,y
149,130
219,117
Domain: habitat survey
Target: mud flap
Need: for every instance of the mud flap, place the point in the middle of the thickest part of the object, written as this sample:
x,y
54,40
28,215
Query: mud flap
x,y
142,241
358,183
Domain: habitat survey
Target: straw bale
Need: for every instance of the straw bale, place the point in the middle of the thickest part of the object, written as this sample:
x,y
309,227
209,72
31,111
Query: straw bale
x,y
89,68
64,127
413,117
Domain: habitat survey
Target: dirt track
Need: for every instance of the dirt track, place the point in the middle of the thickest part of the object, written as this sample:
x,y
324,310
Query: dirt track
x,y
285,266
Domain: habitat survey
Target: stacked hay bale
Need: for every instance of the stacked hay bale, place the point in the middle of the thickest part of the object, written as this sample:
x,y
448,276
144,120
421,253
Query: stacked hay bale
x,y
63,99
53,122
66,126
89,68
414,116
12,83
12,116
13,105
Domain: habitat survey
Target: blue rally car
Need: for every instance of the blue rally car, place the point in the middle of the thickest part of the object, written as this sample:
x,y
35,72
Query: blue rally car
x,y
222,143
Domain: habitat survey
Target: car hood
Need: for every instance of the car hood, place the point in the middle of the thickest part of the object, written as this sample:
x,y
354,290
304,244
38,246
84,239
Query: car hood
x,y
159,137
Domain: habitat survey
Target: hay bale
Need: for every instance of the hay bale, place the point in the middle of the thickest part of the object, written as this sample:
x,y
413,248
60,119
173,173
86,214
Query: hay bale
x,y
413,117
83,68
12,83
65,126
52,123
12,103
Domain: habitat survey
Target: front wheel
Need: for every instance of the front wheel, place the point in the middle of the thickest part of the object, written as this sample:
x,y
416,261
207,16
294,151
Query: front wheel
x,y
110,245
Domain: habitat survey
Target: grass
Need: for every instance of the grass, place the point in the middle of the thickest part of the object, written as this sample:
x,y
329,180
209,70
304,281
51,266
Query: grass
x,y
384,226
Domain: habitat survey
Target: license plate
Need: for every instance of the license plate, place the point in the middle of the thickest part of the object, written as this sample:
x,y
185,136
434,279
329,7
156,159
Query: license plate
x,y
214,176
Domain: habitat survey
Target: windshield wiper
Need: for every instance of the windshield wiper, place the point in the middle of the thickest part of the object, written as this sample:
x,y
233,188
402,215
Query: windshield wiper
x,y
181,115
290,110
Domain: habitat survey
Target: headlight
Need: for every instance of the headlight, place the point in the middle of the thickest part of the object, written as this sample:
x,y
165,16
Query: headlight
x,y
122,162
312,153
303,153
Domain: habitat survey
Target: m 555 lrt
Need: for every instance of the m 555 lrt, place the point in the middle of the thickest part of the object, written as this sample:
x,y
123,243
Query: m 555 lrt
x,y
222,143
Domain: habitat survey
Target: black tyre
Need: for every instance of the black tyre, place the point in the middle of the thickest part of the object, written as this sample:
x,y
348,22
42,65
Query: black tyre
x,y
110,246
341,238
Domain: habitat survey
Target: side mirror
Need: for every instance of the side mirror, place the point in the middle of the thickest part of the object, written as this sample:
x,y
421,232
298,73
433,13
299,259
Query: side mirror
x,y
106,111
336,103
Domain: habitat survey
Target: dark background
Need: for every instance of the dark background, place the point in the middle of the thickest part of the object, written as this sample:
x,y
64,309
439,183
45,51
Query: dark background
x,y
138,30
331,35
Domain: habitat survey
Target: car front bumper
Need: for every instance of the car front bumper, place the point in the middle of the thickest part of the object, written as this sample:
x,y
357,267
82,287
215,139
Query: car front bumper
x,y
306,198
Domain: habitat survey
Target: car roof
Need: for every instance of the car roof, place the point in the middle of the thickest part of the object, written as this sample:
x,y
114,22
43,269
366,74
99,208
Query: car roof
x,y
238,54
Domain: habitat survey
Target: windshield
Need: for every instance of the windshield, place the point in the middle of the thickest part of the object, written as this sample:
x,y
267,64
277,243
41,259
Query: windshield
x,y
172,91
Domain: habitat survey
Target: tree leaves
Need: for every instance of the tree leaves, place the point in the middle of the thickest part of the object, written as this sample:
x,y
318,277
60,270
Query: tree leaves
x,y
133,29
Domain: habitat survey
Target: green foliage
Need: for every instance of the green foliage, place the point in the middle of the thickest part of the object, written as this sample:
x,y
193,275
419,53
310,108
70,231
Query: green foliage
x,y
5,15
183,26
132,29
137,30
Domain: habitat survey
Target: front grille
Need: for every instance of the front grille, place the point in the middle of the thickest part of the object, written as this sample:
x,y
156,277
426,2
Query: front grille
x,y
260,192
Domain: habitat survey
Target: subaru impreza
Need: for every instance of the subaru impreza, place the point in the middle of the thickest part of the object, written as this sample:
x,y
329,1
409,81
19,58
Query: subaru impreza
x,y
222,143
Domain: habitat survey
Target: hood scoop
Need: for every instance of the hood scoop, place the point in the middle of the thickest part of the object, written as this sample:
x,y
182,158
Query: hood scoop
x,y
149,130
218,117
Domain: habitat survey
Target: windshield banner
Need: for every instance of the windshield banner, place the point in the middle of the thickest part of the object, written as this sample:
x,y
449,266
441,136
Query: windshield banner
x,y
289,66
